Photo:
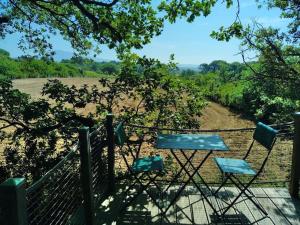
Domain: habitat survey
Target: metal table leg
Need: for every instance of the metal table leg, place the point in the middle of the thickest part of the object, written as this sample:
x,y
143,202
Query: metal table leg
x,y
190,179
203,181
180,171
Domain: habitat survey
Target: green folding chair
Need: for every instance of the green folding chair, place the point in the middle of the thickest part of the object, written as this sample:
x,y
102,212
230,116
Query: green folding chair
x,y
230,168
144,170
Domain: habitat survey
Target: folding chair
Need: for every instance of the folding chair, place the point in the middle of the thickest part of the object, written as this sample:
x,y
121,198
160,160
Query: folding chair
x,y
150,167
265,136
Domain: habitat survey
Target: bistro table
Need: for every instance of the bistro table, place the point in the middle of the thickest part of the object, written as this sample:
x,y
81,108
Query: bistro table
x,y
194,143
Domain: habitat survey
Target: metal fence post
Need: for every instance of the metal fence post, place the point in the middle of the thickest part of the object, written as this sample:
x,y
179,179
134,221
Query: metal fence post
x,y
295,170
86,175
111,152
13,210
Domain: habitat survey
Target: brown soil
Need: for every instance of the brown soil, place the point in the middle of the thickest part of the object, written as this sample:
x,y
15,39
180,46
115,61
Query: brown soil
x,y
216,116
33,86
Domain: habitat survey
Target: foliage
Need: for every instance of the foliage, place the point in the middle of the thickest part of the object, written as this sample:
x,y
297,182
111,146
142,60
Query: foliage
x,y
4,53
276,77
42,126
32,67
225,34
224,82
37,127
267,93
271,109
87,24
290,10
228,71
84,64
187,72
266,89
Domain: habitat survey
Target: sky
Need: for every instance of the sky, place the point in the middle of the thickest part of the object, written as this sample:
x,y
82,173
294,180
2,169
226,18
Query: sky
x,y
189,42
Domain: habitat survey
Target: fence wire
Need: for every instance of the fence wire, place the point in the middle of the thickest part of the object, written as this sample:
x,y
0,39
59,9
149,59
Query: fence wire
x,y
99,160
54,198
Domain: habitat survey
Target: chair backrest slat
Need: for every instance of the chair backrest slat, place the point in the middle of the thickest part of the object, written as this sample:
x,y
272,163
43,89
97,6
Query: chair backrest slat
x,y
265,135
120,135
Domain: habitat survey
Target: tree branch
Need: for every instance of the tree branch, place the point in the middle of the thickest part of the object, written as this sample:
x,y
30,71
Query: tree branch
x,y
83,120
263,75
14,123
20,10
101,3
97,25
9,125
4,19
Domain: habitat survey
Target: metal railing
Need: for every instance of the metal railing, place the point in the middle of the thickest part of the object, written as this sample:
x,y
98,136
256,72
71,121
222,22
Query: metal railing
x,y
54,198
99,164
57,196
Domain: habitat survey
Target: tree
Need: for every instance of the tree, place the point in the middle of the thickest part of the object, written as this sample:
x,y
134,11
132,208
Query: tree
x,y
188,72
109,68
40,126
87,24
4,53
276,76
277,51
8,67
272,93
289,9
214,66
204,68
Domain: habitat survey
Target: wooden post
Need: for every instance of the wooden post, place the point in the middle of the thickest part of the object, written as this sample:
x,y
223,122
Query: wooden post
x,y
295,170
111,152
13,209
86,175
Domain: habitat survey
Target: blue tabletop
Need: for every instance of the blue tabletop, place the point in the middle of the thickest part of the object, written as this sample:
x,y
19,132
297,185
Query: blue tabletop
x,y
191,142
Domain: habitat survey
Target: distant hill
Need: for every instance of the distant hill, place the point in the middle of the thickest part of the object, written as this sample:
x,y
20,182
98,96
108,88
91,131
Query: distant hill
x,y
188,67
60,55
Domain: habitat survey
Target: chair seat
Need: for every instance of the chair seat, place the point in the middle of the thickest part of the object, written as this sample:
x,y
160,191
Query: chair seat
x,y
235,166
148,164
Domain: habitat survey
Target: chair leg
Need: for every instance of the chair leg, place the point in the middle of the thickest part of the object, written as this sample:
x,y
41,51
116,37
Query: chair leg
x,y
143,187
153,181
222,184
257,204
243,191
139,191
240,183
130,187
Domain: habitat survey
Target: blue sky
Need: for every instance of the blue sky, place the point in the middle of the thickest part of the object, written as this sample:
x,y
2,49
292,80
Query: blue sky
x,y
190,42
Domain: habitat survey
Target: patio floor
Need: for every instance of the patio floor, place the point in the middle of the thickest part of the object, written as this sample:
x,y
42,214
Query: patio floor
x,y
192,209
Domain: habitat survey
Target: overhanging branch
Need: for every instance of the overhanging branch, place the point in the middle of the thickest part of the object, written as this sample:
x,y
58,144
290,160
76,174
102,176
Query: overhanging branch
x,y
101,3
4,19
